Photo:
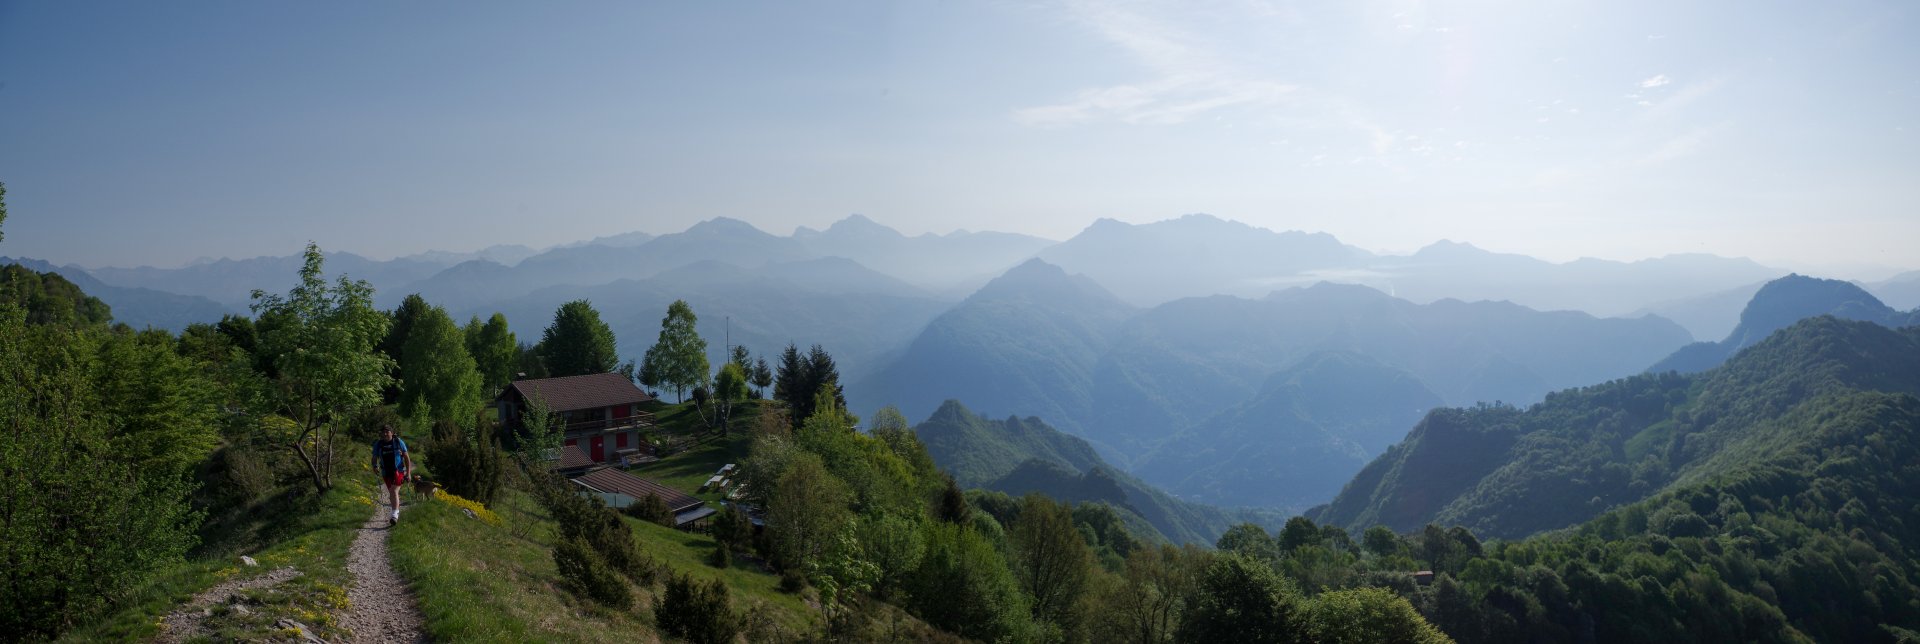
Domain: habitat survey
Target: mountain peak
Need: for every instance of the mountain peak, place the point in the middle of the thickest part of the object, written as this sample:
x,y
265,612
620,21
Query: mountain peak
x,y
724,226
858,224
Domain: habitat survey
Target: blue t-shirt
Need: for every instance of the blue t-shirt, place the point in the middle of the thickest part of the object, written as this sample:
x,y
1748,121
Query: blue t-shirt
x,y
390,456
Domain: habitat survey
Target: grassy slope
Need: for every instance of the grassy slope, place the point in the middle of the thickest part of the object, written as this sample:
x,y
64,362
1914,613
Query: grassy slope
x,y
482,582
313,539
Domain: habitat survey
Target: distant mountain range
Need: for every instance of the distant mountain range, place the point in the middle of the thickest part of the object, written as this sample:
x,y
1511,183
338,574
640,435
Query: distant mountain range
x,y
1271,402
1144,265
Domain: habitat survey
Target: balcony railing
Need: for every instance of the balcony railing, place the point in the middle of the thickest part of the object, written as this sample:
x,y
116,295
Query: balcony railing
x,y
637,421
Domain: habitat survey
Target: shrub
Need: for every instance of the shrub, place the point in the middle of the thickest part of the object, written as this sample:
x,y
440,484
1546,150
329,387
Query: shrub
x,y
471,466
721,558
652,510
589,575
792,580
699,612
588,519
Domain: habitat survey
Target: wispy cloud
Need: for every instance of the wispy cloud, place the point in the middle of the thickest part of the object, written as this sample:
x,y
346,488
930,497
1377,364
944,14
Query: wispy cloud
x,y
1656,81
1189,79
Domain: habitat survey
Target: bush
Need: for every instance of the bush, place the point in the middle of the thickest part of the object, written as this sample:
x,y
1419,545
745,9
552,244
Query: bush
x,y
587,519
651,510
471,466
721,558
589,575
239,475
792,580
699,612
733,529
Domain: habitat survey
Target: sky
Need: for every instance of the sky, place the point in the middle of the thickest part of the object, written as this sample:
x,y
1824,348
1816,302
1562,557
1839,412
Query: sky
x,y
156,133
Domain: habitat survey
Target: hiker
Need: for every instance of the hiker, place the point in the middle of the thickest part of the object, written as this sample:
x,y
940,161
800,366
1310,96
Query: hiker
x,y
391,459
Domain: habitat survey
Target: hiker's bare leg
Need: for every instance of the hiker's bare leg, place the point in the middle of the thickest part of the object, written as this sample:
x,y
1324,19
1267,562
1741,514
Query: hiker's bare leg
x,y
393,497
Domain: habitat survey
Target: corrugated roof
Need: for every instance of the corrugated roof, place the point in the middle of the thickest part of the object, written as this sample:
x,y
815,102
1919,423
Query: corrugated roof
x,y
582,392
616,481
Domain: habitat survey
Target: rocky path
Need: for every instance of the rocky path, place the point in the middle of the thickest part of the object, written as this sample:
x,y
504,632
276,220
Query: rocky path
x,y
381,608
186,623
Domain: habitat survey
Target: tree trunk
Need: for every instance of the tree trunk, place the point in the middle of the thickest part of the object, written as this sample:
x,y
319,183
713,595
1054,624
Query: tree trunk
x,y
300,448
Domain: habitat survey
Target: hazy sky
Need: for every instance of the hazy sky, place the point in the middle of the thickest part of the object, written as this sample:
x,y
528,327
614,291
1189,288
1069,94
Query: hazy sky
x,y
157,132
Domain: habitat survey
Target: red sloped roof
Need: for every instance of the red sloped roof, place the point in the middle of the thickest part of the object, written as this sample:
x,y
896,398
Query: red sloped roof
x,y
616,481
582,392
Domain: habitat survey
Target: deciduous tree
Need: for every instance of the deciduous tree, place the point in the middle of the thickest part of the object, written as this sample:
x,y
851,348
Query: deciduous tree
x,y
323,346
438,381
679,357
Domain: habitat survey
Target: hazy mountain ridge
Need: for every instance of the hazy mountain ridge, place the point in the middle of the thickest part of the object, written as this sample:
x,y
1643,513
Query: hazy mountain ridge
x,y
1507,472
1777,305
1022,455
1196,255
1179,363
1292,445
1004,349
939,262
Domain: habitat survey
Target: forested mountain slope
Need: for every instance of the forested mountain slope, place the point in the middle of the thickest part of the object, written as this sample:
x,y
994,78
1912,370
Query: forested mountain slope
x,y
1508,472
1022,455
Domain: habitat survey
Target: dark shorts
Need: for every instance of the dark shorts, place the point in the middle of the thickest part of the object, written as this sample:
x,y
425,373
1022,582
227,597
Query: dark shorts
x,y
394,479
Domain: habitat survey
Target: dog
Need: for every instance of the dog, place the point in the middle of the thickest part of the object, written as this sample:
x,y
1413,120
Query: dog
x,y
423,487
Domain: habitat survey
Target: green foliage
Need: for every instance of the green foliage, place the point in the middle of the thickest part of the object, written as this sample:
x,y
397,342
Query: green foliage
x,y
1249,540
438,381
679,358
700,612
1240,599
577,343
895,546
807,507
732,528
80,523
598,527
1050,559
1367,616
494,349
469,463
322,344
48,298
1147,601
394,343
729,388
652,510
963,585
580,566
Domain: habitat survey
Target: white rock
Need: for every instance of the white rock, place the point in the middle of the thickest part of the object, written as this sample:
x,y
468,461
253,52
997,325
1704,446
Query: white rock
x,y
248,560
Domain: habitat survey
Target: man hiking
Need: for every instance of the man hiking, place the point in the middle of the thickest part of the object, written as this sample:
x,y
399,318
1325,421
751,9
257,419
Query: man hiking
x,y
391,459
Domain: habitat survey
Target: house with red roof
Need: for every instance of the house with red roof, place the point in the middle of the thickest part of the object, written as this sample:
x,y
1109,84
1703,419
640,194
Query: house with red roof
x,y
600,412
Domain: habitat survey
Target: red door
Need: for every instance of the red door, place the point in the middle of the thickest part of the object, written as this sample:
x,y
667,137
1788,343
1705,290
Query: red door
x,y
599,452
620,440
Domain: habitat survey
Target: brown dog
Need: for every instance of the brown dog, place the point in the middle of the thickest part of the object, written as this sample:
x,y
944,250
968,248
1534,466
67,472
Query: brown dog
x,y
423,488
